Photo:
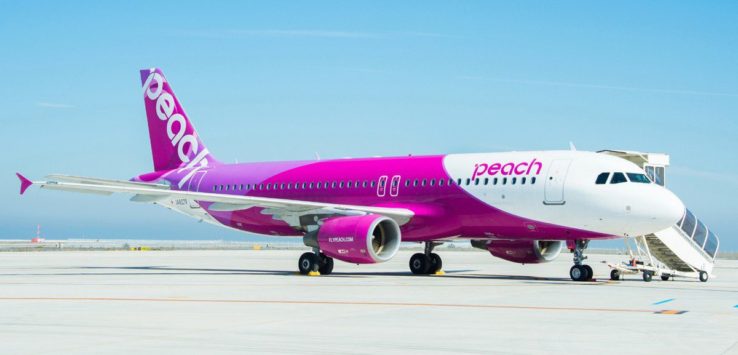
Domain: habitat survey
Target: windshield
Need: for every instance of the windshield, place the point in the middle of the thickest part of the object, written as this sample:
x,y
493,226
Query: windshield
x,y
640,178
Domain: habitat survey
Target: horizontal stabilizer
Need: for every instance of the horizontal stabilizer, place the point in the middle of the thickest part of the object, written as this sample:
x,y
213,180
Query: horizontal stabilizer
x,y
25,183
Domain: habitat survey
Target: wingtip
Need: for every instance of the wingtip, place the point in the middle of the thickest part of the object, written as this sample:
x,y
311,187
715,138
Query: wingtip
x,y
25,183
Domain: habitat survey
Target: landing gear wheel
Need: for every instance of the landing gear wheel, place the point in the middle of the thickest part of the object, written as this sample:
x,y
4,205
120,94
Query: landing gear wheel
x,y
647,276
665,277
420,264
326,265
436,263
615,275
308,262
704,276
590,272
577,273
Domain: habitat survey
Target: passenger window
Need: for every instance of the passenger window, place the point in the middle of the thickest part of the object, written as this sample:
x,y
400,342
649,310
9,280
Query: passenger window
x,y
486,181
363,184
476,181
372,183
432,182
281,186
468,181
440,182
618,178
415,182
407,183
639,178
422,183
522,181
533,180
340,185
504,181
602,178
514,180
458,181
348,184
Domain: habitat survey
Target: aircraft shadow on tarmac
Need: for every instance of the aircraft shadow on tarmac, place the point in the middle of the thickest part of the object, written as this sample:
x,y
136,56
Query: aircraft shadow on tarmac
x,y
452,274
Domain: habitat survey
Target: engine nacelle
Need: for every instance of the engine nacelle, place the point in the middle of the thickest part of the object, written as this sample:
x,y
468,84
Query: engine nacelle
x,y
522,251
364,239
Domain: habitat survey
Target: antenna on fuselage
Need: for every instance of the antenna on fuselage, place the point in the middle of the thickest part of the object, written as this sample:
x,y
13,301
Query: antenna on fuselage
x,y
317,157
571,146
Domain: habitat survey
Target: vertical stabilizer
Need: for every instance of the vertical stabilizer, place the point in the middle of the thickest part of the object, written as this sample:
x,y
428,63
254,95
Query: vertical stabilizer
x,y
174,142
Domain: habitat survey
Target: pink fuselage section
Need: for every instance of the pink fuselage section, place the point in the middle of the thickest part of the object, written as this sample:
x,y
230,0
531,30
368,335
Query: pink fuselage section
x,y
445,211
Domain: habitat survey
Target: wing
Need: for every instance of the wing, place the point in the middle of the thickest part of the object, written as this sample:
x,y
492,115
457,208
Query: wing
x,y
286,209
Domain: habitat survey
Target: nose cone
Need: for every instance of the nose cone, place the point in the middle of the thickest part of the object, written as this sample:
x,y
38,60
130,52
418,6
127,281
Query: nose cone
x,y
670,209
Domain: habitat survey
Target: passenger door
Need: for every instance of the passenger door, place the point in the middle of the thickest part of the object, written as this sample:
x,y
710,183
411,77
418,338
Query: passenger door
x,y
554,187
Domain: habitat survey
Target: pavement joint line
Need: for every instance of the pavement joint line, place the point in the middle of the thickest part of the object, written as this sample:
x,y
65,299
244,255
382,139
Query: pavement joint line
x,y
344,303
663,301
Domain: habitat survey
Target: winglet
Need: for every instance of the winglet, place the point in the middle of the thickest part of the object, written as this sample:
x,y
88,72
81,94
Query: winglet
x,y
25,183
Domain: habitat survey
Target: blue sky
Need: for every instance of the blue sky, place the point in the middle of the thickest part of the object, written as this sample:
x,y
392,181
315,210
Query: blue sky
x,y
284,80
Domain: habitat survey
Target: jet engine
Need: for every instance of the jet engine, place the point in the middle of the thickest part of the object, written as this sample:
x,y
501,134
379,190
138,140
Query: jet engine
x,y
363,239
522,251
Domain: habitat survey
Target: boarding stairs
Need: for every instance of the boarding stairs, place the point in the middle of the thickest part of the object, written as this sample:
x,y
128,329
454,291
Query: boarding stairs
x,y
686,249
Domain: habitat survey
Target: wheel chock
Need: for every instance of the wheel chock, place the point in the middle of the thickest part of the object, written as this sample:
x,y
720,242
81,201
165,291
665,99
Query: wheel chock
x,y
439,272
314,273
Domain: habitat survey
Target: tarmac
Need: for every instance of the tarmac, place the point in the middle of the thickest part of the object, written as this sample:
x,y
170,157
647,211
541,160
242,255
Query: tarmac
x,y
180,302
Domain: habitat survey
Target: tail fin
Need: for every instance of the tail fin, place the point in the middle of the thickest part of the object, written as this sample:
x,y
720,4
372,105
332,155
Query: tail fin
x,y
174,142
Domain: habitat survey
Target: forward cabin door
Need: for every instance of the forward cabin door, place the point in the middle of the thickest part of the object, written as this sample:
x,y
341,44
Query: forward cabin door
x,y
554,187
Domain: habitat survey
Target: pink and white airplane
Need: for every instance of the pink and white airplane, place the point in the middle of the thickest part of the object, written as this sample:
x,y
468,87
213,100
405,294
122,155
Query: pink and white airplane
x,y
521,206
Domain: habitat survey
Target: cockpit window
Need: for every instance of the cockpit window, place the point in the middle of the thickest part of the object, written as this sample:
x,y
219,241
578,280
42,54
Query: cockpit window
x,y
602,178
618,178
640,178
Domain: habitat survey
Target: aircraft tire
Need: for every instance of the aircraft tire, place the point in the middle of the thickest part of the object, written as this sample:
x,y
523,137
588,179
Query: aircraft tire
x,y
308,262
420,264
436,263
326,265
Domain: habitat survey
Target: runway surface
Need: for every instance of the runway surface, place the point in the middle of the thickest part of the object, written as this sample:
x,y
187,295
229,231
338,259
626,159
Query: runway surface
x,y
254,301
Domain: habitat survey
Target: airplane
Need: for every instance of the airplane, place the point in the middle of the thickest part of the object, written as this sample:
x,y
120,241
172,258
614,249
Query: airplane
x,y
523,207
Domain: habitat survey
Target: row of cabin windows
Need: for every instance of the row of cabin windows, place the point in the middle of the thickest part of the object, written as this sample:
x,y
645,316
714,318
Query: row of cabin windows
x,y
351,184
619,178
295,186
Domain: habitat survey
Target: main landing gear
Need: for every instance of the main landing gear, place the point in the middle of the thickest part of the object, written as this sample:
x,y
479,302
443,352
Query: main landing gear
x,y
315,263
580,272
427,262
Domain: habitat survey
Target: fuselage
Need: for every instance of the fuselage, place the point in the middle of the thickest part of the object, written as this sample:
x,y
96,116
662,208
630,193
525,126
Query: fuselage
x,y
539,195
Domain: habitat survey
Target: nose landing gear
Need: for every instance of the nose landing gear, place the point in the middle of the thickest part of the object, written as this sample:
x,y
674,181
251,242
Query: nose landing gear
x,y
580,272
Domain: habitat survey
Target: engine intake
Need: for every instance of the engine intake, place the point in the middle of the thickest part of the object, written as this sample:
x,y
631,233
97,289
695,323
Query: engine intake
x,y
363,239
522,251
